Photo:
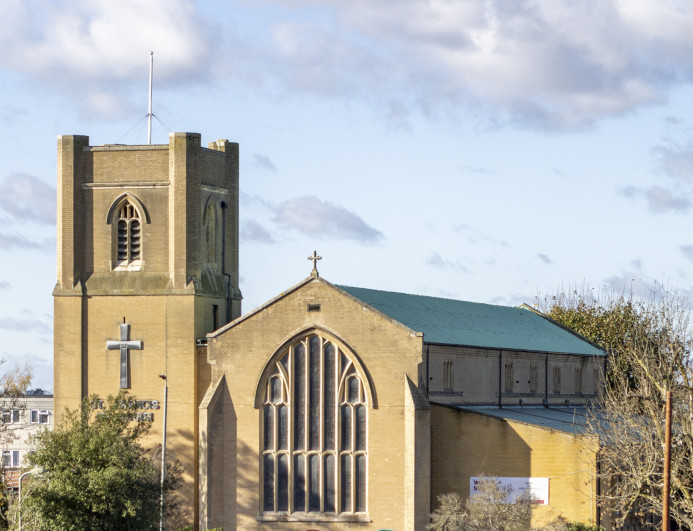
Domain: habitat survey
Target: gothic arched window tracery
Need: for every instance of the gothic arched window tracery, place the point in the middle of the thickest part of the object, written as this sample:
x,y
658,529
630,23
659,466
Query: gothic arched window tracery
x,y
314,427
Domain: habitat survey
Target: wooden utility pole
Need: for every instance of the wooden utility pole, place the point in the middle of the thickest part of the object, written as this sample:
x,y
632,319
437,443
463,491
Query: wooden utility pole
x,y
667,463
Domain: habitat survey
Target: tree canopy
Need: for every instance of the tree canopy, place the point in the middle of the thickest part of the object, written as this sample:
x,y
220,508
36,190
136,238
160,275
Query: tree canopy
x,y
97,474
648,341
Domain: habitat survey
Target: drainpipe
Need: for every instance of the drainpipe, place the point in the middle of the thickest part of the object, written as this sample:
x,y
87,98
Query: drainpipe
x,y
500,378
546,381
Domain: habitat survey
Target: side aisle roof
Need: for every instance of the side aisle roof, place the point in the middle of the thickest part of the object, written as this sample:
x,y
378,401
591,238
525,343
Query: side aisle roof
x,y
473,324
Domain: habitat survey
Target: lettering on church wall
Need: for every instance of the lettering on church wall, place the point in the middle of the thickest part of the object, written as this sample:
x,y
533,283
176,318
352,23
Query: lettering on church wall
x,y
145,408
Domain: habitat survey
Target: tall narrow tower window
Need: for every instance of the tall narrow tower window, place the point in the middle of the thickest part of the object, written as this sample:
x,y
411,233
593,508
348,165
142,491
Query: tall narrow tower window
x,y
128,236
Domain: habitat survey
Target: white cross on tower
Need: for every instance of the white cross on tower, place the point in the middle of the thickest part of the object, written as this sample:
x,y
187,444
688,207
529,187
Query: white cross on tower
x,y
124,345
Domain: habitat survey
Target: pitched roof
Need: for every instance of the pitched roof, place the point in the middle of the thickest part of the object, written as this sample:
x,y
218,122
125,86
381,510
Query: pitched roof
x,y
462,323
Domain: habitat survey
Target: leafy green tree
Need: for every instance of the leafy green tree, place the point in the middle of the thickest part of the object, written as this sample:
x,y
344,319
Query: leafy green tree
x,y
648,341
486,510
97,474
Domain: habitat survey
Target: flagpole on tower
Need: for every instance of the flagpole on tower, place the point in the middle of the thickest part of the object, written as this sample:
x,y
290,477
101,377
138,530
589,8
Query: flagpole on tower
x,y
149,114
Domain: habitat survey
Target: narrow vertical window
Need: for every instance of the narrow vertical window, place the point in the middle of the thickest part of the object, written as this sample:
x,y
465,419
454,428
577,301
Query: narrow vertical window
x,y
578,380
448,375
509,377
556,379
210,235
315,393
533,378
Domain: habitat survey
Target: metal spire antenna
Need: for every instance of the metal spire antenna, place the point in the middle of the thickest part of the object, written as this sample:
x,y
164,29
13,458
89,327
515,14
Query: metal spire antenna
x,y
149,114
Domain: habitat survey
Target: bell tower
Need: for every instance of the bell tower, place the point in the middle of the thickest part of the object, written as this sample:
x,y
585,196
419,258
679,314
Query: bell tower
x,y
147,265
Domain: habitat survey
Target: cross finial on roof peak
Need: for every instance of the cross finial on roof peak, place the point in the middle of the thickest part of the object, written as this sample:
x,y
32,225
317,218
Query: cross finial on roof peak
x,y
314,257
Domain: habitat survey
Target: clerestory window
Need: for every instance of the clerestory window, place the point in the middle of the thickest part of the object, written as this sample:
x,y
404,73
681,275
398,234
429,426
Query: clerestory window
x,y
128,235
314,427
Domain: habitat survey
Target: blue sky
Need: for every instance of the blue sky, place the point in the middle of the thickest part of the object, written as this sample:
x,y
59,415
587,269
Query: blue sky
x,y
488,151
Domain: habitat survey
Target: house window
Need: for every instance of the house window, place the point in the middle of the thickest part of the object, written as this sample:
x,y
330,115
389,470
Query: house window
x,y
509,377
448,375
10,458
128,235
578,380
533,379
556,380
10,416
314,433
39,416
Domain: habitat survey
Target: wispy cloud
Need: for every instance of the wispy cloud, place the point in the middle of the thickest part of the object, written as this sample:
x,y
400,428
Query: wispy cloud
x,y
676,160
544,258
17,241
437,261
659,199
687,252
27,198
252,231
25,325
315,217
264,162
4,284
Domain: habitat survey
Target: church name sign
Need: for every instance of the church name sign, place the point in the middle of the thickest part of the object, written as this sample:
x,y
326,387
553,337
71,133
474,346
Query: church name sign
x,y
515,487
144,408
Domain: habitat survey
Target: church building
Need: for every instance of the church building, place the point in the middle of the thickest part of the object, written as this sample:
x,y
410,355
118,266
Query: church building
x,y
328,407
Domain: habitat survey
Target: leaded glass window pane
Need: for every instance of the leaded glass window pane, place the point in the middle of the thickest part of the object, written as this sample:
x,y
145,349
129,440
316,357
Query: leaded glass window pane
x,y
299,483
329,486
346,427
329,399
360,428
283,483
360,484
283,428
268,466
346,483
314,393
269,427
314,486
299,398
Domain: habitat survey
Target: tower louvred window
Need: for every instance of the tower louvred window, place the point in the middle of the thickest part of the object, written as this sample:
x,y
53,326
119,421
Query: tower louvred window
x,y
314,450
129,234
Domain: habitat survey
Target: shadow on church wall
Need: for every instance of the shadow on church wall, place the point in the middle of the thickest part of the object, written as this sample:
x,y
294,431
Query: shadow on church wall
x,y
466,444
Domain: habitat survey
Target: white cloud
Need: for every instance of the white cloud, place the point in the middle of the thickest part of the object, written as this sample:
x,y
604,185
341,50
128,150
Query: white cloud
x,y
536,62
27,198
315,217
99,45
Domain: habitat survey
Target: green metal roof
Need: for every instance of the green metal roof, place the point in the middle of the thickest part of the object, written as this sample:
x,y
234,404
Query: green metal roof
x,y
453,322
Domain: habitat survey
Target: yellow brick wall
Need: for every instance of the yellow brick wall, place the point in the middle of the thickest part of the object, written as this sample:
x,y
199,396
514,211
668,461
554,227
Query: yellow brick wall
x,y
466,444
389,355
163,302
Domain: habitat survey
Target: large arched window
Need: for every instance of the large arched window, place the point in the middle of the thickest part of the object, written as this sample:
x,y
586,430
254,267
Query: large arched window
x,y
314,433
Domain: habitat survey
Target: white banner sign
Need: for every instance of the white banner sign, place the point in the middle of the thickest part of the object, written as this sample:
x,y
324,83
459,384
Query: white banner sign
x,y
538,487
